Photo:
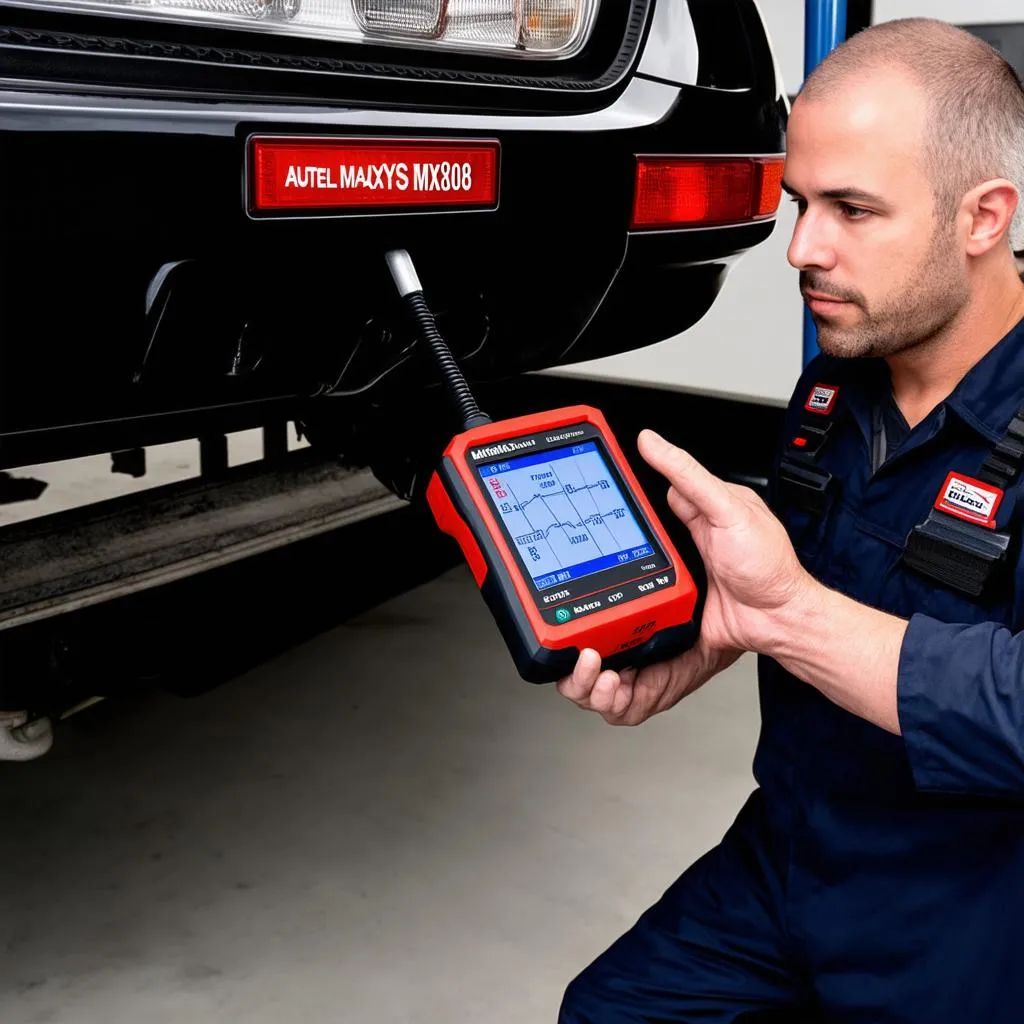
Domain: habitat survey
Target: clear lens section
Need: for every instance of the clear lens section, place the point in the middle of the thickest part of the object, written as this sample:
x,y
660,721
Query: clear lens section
x,y
483,22
524,28
255,9
421,18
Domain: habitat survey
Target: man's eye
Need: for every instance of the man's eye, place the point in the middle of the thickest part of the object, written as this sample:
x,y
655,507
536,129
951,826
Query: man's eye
x,y
801,204
853,212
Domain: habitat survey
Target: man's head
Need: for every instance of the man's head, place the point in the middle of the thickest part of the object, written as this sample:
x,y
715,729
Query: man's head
x,y
905,154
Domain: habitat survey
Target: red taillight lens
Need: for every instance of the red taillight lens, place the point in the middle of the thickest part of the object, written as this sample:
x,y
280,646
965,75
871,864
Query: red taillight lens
x,y
679,192
770,181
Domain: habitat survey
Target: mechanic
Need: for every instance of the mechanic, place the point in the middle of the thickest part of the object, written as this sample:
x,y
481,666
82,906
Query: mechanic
x,y
876,873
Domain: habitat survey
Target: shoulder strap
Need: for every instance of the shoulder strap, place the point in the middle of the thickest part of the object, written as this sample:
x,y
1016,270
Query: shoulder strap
x,y
801,480
957,543
1006,459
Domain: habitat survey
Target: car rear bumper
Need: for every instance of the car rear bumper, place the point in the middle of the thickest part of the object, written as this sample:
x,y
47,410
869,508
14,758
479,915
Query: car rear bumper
x,y
99,195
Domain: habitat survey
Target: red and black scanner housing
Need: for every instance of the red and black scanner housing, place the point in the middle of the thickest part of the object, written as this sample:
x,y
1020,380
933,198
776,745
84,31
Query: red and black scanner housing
x,y
632,614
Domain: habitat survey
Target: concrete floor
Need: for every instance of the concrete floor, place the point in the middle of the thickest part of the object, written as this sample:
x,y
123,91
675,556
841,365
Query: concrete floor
x,y
383,826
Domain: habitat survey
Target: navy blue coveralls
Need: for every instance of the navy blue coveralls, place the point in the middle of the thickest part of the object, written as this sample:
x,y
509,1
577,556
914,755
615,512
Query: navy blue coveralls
x,y
870,878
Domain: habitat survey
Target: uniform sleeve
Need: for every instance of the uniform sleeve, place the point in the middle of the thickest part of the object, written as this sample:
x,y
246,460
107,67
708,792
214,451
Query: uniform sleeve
x,y
960,698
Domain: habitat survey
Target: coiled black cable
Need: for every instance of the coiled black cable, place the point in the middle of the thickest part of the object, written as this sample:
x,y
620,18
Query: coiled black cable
x,y
455,384
458,390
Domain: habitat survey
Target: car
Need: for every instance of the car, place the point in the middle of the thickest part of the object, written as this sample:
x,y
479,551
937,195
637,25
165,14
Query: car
x,y
160,282
197,199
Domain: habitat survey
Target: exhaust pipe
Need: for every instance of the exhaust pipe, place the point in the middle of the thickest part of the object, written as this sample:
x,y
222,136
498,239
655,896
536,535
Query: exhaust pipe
x,y
21,740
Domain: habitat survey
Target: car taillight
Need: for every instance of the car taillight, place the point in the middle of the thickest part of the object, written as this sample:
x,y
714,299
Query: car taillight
x,y
513,28
682,192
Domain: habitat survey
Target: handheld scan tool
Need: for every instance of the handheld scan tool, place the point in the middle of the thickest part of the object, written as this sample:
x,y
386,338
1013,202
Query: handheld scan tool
x,y
561,540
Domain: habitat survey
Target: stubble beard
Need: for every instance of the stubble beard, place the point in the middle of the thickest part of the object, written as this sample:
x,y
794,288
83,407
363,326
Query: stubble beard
x,y
919,314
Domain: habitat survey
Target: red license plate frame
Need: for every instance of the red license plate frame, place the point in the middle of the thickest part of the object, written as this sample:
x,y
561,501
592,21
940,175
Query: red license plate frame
x,y
344,176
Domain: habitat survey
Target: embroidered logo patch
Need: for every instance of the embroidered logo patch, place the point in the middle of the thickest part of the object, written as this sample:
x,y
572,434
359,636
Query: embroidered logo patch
x,y
969,499
821,399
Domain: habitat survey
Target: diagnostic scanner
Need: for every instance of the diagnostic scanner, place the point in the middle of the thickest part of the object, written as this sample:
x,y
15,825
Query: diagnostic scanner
x,y
561,540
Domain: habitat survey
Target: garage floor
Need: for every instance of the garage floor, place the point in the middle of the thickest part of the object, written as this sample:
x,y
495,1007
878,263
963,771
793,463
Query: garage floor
x,y
382,826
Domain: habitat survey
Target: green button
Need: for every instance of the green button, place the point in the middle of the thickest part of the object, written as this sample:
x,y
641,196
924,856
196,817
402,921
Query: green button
x,y
563,615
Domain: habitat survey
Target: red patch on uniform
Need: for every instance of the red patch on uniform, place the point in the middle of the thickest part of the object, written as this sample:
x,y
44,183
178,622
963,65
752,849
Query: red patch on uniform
x,y
969,499
822,399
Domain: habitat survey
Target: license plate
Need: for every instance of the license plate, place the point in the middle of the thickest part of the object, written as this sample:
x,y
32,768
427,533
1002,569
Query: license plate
x,y
330,175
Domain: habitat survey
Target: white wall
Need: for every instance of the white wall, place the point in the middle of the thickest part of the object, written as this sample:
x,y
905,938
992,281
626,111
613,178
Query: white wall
x,y
959,12
749,345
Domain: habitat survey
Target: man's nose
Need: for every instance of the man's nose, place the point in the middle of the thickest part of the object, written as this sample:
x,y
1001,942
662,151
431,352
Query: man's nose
x,y
811,245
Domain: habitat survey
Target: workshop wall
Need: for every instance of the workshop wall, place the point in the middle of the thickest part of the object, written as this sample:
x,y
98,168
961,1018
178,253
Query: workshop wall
x,y
749,345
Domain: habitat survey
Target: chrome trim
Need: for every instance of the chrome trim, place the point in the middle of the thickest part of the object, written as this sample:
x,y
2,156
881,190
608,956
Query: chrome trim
x,y
640,104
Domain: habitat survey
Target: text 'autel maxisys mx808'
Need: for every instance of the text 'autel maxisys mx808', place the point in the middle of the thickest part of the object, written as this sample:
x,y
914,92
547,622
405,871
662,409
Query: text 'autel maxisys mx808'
x,y
561,540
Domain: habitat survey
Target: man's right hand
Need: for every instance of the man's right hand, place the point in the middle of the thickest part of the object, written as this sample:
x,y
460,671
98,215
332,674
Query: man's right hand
x,y
634,695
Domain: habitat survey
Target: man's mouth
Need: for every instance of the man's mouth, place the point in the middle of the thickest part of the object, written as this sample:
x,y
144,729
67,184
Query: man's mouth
x,y
822,303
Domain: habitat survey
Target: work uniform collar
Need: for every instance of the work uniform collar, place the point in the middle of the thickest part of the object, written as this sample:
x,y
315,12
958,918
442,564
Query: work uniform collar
x,y
986,398
993,389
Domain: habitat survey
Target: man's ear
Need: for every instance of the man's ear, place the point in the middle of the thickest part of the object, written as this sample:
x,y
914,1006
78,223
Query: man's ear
x,y
989,208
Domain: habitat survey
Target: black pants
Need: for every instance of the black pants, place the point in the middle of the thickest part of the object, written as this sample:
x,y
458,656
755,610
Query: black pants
x,y
873,914
710,950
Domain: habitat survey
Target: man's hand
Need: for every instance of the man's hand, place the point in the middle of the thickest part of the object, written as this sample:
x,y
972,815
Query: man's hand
x,y
752,568
632,696
752,571
759,599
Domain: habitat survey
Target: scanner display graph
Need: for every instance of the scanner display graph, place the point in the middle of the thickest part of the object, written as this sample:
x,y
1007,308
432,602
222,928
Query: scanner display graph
x,y
565,513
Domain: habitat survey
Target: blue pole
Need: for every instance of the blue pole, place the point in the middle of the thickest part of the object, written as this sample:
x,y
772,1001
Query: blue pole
x,y
824,30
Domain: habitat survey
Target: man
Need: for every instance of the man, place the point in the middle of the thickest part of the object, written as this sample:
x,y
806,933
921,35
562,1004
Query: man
x,y
877,872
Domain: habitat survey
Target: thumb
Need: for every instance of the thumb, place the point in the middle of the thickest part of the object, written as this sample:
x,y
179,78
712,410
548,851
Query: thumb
x,y
699,489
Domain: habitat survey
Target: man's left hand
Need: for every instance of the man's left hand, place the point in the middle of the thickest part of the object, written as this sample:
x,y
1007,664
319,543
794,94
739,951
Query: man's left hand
x,y
760,598
752,568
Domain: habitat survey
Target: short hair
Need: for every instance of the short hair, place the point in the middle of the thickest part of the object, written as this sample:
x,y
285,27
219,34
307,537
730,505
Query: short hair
x,y
975,128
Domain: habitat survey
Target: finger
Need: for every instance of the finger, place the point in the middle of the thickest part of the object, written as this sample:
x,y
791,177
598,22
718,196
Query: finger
x,y
579,685
630,698
684,509
622,698
705,491
602,696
